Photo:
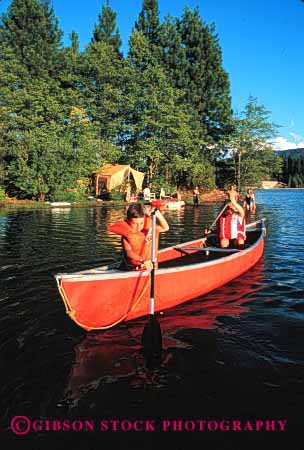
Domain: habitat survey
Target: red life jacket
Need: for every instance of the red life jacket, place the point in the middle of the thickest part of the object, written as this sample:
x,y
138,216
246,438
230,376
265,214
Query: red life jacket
x,y
232,226
140,241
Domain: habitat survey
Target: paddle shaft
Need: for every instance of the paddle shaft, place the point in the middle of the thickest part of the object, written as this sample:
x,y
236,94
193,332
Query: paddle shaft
x,y
218,216
153,263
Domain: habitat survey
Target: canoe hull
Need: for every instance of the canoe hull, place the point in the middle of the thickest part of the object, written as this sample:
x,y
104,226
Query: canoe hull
x,y
100,300
169,203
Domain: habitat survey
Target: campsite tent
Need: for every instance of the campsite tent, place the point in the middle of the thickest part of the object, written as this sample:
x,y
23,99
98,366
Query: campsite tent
x,y
114,175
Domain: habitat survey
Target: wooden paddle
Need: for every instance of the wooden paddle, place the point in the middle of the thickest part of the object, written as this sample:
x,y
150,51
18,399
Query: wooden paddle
x,y
217,218
151,337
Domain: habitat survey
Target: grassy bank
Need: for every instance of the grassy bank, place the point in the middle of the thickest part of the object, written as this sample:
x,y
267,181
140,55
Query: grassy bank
x,y
214,196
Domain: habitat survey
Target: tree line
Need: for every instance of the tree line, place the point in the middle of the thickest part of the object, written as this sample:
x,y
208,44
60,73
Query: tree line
x,y
164,108
293,172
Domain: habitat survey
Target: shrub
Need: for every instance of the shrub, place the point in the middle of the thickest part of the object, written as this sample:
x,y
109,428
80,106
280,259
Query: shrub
x,y
2,194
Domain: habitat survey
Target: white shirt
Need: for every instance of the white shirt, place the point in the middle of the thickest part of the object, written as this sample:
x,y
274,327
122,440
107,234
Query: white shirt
x,y
146,193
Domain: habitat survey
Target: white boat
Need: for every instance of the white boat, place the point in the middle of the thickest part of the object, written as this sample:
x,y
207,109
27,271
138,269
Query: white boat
x,y
175,205
60,204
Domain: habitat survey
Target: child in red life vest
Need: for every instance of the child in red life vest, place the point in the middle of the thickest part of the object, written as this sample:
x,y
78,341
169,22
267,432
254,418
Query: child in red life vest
x,y
136,232
232,222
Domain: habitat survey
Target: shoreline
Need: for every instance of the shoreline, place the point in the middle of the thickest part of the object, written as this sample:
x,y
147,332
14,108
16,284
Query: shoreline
x,y
215,196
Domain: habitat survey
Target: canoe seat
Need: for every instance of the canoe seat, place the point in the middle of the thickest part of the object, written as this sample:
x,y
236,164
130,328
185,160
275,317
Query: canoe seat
x,y
209,249
182,250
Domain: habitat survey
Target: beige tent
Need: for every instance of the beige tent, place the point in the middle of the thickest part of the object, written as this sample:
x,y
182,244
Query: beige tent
x,y
114,175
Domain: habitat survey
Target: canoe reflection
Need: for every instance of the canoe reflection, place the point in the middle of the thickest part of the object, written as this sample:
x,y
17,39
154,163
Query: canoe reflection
x,y
107,357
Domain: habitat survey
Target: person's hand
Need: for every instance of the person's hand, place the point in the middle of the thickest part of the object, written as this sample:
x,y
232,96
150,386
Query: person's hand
x,y
147,264
148,237
149,210
207,231
233,195
203,241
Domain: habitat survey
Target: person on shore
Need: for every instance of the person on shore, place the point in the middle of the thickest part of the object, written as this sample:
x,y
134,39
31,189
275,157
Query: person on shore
x,y
249,201
162,193
128,193
196,196
147,194
232,222
232,188
136,233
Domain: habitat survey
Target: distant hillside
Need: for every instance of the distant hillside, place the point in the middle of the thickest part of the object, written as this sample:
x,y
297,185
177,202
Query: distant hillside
x,y
293,153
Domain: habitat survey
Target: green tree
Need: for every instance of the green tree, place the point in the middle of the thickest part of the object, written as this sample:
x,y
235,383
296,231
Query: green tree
x,y
174,57
41,138
106,30
101,84
31,29
193,59
10,74
163,135
253,156
148,21
47,161
74,42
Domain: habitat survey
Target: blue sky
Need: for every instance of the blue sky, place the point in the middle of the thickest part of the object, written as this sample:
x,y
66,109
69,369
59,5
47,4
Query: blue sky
x,y
262,43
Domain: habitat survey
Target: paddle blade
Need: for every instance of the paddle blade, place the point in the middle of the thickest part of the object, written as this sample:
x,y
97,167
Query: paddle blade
x,y
152,342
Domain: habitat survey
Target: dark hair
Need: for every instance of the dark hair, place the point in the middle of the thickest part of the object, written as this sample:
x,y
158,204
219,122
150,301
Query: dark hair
x,y
135,211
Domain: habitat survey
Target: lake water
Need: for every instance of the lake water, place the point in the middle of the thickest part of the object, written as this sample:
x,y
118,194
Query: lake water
x,y
236,353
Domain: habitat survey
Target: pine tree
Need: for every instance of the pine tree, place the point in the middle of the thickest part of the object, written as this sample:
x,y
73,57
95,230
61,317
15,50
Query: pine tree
x,y
148,21
74,42
289,168
290,181
285,171
301,166
31,29
101,81
106,30
206,82
298,166
173,52
162,136
42,146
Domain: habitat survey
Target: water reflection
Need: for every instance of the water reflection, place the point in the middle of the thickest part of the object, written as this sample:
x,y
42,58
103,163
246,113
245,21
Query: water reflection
x,y
254,322
103,358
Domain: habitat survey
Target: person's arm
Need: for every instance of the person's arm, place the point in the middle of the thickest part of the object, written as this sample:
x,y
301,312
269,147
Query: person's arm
x,y
162,224
130,253
233,196
147,264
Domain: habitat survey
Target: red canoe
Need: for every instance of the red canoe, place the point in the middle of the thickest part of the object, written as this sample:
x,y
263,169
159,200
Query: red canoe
x,y
160,203
103,297
170,203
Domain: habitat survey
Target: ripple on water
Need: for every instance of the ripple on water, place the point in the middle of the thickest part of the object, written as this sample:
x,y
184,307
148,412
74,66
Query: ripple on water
x,y
253,326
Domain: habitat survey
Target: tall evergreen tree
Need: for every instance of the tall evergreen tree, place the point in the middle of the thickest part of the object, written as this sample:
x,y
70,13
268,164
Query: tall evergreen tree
x,y
74,42
101,81
173,53
31,29
148,21
163,137
45,146
207,83
192,56
106,30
